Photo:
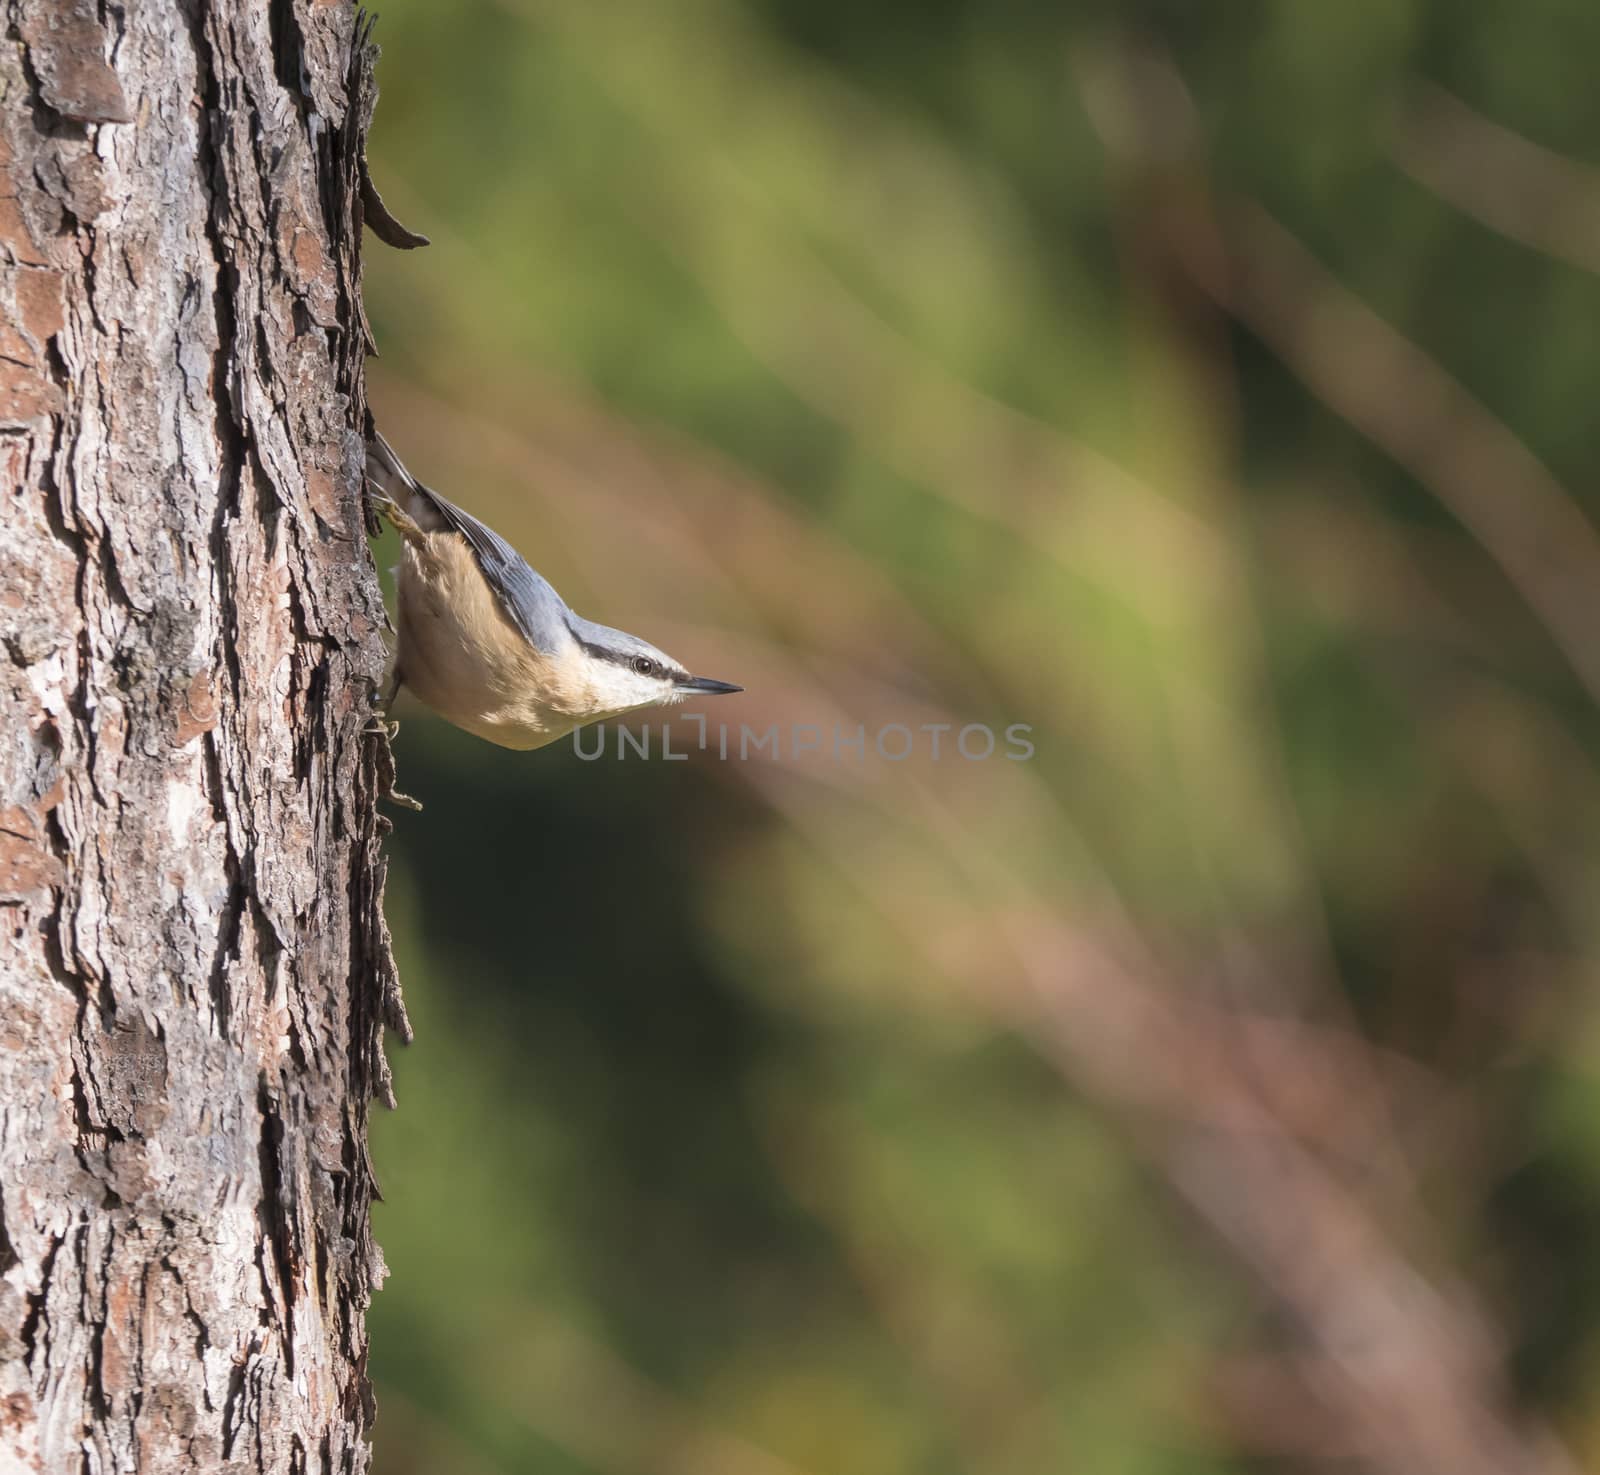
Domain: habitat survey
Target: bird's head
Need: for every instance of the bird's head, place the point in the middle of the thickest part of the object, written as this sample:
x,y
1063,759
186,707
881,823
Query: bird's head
x,y
623,673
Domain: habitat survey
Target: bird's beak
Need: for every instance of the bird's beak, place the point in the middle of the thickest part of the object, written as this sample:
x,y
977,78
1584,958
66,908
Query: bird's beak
x,y
707,687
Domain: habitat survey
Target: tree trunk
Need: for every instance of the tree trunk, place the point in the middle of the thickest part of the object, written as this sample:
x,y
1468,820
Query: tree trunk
x,y
196,967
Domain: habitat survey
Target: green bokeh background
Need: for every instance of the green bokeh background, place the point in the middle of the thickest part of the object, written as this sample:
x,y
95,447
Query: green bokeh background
x,y
1209,388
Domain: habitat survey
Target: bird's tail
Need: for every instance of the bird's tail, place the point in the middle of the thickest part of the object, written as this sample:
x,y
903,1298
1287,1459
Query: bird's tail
x,y
398,494
387,472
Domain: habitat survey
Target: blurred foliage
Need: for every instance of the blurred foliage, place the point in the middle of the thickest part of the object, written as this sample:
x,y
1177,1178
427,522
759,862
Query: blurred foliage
x,y
1206,387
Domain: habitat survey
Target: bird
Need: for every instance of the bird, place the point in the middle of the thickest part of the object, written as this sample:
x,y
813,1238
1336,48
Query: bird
x,y
485,641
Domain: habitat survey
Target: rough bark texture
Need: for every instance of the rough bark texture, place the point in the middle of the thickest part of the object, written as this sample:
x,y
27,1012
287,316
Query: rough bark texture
x,y
196,969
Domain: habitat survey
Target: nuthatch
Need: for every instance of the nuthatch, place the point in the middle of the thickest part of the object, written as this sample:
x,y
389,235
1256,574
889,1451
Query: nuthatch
x,y
489,645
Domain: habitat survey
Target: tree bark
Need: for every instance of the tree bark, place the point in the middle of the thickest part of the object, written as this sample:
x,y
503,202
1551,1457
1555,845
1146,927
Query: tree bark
x,y
196,968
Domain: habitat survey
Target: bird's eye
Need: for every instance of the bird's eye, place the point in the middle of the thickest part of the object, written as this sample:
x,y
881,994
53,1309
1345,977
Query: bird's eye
x,y
644,665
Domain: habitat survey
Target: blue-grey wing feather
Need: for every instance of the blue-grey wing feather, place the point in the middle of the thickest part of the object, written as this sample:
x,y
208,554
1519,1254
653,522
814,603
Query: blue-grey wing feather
x,y
525,594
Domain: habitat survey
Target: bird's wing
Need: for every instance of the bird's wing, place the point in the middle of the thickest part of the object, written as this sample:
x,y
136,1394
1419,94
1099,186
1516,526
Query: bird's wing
x,y
525,594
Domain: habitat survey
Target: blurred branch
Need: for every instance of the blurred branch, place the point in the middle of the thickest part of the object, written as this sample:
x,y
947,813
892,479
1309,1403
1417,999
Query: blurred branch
x,y
1512,185
795,314
1407,1368
1401,1362
1407,403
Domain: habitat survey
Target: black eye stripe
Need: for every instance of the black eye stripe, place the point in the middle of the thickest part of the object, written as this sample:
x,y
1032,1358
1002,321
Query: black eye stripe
x,y
629,660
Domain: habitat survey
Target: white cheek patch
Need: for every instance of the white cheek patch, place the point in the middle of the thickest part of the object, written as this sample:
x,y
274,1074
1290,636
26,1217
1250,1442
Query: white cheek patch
x,y
621,689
